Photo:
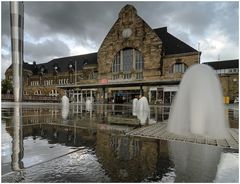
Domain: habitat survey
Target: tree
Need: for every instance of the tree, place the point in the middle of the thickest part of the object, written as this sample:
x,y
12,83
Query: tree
x,y
7,86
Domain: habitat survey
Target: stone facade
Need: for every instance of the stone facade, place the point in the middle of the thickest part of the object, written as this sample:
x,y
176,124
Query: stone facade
x,y
128,32
142,38
169,61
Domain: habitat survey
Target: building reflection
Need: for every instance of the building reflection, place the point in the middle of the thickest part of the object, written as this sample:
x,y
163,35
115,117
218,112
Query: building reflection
x,y
124,158
129,159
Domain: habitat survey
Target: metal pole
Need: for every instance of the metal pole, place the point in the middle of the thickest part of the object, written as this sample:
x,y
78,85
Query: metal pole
x,y
75,72
198,53
17,25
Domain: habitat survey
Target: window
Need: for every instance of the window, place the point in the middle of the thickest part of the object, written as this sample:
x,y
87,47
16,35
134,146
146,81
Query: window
x,y
139,75
53,93
116,63
34,83
179,68
125,61
38,92
93,75
139,61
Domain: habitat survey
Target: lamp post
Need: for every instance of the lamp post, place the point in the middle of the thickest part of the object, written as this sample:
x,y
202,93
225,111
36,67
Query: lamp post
x,y
198,52
75,72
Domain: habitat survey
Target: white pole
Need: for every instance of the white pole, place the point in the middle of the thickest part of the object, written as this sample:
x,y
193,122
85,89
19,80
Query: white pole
x,y
17,19
75,72
198,52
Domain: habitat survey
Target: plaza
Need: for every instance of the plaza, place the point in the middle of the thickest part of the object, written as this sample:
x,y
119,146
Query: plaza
x,y
140,109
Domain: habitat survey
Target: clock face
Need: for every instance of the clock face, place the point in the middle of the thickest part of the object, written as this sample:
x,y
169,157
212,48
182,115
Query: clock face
x,y
127,33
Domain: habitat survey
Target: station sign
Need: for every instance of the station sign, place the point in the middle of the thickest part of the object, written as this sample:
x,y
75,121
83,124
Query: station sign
x,y
104,81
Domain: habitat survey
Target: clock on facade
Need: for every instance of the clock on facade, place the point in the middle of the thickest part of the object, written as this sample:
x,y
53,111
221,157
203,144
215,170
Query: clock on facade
x,y
127,32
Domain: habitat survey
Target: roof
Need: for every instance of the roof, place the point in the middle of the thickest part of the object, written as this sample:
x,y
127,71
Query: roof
x,y
171,44
63,63
25,66
223,64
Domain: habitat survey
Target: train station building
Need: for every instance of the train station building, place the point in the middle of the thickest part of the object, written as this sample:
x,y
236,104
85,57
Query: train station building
x,y
133,59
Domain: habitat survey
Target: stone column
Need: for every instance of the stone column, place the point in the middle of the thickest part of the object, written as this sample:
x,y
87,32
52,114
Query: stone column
x,y
16,21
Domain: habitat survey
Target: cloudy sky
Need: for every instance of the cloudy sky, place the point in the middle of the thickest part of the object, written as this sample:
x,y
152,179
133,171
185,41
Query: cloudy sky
x,y
60,29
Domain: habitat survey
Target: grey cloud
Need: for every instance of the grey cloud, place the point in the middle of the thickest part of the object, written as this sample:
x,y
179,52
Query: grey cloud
x,y
90,21
43,52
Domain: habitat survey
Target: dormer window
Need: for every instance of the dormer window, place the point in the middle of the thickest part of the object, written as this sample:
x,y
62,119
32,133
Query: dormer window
x,y
42,70
179,67
71,67
55,69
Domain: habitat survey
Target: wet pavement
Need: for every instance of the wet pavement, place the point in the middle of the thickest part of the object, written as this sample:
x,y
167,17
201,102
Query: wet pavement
x,y
40,143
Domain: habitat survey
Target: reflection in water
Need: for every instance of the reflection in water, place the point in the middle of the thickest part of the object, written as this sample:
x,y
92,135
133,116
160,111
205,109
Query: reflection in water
x,y
65,107
122,158
17,143
228,171
65,112
193,162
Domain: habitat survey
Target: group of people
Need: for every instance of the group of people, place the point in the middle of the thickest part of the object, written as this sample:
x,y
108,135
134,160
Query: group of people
x,y
141,109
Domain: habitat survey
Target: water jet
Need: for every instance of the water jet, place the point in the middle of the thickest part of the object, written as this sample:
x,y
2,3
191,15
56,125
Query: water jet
x,y
198,107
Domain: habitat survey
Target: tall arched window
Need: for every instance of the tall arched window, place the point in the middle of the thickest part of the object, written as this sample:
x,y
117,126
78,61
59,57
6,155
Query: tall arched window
x,y
139,65
116,63
126,61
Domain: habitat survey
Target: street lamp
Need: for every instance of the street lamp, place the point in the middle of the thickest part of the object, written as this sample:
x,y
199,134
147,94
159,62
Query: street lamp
x,y
75,72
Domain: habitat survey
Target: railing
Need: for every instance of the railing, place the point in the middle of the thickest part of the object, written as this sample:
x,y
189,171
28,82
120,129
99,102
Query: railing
x,y
32,98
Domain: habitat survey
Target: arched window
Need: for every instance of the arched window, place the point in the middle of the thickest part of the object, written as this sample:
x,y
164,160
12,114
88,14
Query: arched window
x,y
139,61
116,63
126,61
38,92
53,92
179,68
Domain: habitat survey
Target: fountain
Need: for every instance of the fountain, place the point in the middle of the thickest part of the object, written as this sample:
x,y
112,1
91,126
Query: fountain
x,y
134,108
198,107
143,110
65,107
88,105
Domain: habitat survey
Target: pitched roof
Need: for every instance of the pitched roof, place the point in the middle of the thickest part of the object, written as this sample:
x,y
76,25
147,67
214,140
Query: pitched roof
x,y
26,66
223,64
63,63
171,44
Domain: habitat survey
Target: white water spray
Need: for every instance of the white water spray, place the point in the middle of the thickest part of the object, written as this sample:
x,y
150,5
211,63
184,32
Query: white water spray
x,y
65,107
198,107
